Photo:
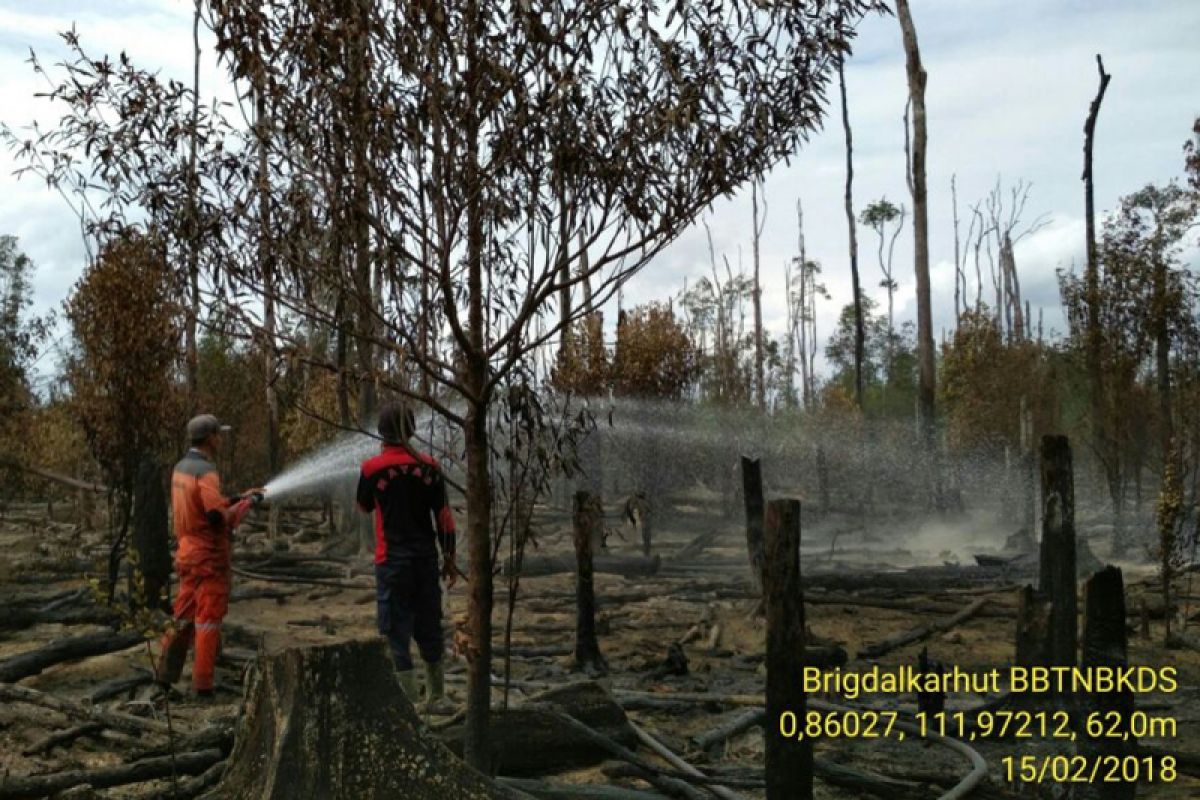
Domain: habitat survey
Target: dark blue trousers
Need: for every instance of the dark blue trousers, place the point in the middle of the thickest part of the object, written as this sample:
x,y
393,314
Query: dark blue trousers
x,y
408,595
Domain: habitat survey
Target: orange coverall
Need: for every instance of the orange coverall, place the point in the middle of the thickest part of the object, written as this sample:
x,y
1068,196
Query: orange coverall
x,y
204,520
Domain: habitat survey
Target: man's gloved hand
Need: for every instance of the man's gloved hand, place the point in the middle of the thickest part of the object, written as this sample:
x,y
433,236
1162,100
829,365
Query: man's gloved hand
x,y
239,510
449,571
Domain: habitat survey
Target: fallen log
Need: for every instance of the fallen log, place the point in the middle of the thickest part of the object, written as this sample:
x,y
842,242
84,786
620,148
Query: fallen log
x,y
912,605
697,546
609,564
741,721
867,782
15,619
51,475
577,791
63,737
118,721
677,780
23,665
254,576
16,786
343,702
666,754
199,784
531,740
118,686
878,649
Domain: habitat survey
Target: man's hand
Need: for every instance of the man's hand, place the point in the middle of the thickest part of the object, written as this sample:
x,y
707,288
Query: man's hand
x,y
449,571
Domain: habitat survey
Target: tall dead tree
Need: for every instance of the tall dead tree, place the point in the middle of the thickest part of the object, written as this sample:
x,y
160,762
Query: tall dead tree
x,y
927,383
1102,442
860,336
760,374
192,228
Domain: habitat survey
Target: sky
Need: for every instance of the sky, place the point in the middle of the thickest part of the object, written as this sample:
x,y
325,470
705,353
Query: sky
x,y
1009,83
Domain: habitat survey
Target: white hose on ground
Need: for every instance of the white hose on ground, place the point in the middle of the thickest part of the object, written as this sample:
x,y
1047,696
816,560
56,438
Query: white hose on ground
x,y
961,789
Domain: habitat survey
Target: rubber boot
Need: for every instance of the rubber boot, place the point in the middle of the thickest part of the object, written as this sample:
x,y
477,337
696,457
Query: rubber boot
x,y
408,682
435,689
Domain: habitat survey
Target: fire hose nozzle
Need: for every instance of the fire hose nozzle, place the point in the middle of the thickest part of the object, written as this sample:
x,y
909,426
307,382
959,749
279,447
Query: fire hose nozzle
x,y
256,498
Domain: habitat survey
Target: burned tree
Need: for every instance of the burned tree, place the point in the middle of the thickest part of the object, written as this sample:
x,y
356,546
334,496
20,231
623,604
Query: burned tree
x,y
127,330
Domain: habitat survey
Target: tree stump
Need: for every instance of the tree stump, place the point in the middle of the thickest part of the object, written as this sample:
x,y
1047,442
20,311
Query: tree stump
x,y
1033,617
752,492
331,722
789,760
1056,573
1105,645
149,578
587,519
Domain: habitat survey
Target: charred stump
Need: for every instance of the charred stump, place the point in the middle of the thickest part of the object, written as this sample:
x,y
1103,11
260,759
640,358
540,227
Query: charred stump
x,y
150,576
752,492
332,722
1056,572
789,760
587,520
1033,617
1105,645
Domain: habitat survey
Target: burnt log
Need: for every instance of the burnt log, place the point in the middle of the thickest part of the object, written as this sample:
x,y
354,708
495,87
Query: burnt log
x,y
23,665
332,722
789,760
116,720
16,786
877,649
626,566
86,613
544,790
531,740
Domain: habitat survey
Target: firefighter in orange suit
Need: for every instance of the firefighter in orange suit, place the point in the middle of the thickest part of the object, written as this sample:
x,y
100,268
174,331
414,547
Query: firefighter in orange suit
x,y
204,521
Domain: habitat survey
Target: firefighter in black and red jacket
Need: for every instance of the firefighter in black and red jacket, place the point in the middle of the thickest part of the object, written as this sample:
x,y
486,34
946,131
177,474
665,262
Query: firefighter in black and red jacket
x,y
407,493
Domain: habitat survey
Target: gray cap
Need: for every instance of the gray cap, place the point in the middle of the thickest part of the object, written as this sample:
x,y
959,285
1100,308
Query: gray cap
x,y
201,427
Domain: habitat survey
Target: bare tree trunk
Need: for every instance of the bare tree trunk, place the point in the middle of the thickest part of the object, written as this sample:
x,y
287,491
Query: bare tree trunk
x,y
479,488
803,301
925,354
859,333
191,354
958,271
789,759
759,355
1101,440
266,260
588,526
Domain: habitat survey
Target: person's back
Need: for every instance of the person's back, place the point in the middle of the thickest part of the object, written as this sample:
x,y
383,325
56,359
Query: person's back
x,y
196,503
406,492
